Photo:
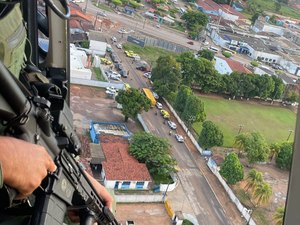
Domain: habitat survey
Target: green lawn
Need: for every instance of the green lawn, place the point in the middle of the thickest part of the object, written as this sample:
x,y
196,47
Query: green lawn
x,y
149,54
273,123
268,5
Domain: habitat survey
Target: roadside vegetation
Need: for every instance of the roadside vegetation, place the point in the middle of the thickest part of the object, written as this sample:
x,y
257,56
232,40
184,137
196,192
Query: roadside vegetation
x,y
148,53
278,7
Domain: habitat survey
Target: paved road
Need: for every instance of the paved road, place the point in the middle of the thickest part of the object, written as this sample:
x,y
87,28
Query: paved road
x,y
146,27
200,200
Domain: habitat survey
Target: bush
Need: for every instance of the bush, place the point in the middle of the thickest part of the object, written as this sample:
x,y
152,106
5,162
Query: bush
x,y
254,63
226,54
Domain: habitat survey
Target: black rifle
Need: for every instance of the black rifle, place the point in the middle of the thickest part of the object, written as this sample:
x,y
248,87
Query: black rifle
x,y
32,119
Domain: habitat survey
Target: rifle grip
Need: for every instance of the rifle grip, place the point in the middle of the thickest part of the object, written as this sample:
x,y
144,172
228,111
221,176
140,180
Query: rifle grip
x,y
7,195
49,209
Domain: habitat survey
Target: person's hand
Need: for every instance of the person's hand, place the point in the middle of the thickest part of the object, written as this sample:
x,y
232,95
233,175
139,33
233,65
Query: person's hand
x,y
24,165
102,192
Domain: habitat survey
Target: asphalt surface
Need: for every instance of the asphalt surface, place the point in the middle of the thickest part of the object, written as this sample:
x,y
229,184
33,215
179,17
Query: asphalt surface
x,y
199,200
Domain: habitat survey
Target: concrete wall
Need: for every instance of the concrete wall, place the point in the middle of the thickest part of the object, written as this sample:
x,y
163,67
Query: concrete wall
x,y
95,83
189,134
111,184
139,198
217,39
244,211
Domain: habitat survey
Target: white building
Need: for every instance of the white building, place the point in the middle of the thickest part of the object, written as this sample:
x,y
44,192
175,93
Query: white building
x,y
261,25
78,60
121,170
98,48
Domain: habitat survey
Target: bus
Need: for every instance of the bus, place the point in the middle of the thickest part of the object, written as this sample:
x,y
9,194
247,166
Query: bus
x,y
229,50
150,96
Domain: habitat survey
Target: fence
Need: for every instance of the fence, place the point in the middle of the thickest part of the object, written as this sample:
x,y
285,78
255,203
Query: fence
x,y
139,198
244,211
165,44
189,134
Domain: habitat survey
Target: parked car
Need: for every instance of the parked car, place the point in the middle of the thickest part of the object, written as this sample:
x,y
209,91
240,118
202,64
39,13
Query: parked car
x,y
158,105
119,46
165,114
179,138
158,25
115,58
148,75
105,61
156,96
111,89
190,43
172,125
123,73
114,39
122,31
102,14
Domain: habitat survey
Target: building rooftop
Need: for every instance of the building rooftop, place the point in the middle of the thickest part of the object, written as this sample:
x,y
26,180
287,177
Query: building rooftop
x,y
209,5
256,43
120,165
235,65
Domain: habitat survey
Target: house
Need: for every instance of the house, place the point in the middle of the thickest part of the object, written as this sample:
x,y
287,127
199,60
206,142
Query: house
x,y
121,170
261,25
227,66
208,7
261,70
98,48
78,60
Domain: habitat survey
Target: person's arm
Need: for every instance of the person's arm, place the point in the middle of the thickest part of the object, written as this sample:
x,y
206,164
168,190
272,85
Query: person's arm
x,y
24,165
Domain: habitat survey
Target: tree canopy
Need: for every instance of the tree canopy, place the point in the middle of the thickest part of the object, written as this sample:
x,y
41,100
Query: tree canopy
x,y
232,169
207,54
166,76
263,193
133,102
153,151
183,93
254,145
193,110
210,135
195,22
254,178
284,157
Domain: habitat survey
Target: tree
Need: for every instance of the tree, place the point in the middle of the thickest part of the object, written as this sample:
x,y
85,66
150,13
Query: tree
x,y
254,178
189,67
279,215
254,145
207,54
278,88
133,102
153,151
193,111
274,150
277,6
265,85
263,193
232,169
117,2
195,21
284,157
255,17
181,98
166,76
210,135
292,96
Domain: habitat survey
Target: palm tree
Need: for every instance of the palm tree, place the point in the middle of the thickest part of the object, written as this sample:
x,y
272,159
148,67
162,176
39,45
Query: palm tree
x,y
274,150
254,179
278,216
263,193
240,141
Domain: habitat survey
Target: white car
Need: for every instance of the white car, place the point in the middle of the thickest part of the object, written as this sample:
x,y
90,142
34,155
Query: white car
x,y
122,31
102,14
158,25
179,138
114,39
114,77
148,75
155,95
158,105
119,46
111,89
172,125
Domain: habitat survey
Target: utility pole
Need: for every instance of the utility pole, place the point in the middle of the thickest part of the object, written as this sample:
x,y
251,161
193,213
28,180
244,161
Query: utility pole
x,y
240,129
86,4
291,131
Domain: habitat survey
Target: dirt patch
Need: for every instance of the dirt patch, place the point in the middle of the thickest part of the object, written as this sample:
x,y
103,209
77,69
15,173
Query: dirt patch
x,y
278,179
143,213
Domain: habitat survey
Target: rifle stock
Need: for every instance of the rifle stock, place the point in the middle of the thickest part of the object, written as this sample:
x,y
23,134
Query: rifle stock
x,y
29,118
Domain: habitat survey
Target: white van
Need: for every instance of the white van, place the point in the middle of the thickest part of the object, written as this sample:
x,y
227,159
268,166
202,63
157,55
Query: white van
x,y
213,49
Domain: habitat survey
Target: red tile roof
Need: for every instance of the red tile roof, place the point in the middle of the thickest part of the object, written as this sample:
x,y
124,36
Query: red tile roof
x,y
229,9
77,13
236,66
209,5
120,165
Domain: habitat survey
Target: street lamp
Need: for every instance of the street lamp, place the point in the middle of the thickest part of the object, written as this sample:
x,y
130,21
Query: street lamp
x,y
291,131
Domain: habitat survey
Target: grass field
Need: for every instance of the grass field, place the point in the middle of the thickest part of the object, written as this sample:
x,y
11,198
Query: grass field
x,y
272,122
268,5
149,54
